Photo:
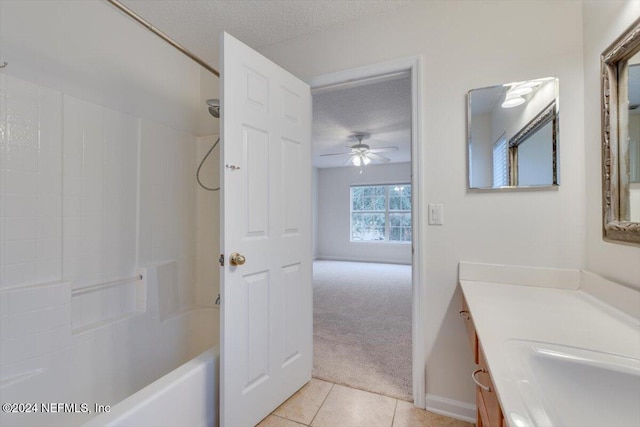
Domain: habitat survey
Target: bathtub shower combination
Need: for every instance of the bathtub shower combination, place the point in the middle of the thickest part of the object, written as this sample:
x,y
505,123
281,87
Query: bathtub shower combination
x,y
118,325
109,222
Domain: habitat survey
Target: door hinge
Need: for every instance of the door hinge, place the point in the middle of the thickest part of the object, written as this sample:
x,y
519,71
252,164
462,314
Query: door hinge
x,y
221,260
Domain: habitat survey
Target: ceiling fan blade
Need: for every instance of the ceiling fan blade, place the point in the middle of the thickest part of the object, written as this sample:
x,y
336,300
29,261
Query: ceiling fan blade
x,y
350,160
336,154
374,156
383,149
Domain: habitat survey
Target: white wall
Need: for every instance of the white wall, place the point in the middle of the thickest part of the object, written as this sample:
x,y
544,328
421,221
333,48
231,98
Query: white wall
x,y
334,198
98,146
519,41
603,23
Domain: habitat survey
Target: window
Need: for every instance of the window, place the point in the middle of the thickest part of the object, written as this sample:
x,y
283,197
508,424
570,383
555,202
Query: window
x,y
381,213
500,163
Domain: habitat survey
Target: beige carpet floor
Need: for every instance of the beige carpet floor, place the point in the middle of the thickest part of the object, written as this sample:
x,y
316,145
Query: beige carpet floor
x,y
362,326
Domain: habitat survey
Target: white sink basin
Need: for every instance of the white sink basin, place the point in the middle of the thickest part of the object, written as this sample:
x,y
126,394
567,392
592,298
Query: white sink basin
x,y
567,386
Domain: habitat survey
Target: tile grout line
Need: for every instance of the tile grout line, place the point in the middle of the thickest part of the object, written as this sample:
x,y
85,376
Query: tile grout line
x,y
362,389
284,418
393,418
395,409
322,404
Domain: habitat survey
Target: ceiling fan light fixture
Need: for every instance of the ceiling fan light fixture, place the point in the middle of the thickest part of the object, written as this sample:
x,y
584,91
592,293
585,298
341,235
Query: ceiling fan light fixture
x,y
361,154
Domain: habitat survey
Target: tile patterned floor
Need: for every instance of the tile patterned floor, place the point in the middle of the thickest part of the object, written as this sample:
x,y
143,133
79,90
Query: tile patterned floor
x,y
324,404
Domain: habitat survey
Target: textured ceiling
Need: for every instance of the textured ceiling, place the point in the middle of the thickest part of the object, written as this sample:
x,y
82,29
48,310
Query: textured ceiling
x,y
196,24
380,109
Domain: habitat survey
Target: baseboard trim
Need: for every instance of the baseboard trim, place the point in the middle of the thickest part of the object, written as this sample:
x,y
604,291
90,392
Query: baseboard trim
x,y
451,408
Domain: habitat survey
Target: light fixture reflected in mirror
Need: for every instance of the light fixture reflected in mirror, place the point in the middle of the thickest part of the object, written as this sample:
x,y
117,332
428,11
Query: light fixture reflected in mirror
x,y
515,94
512,101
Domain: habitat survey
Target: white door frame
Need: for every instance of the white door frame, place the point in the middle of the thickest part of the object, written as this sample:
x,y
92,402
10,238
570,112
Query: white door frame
x,y
414,65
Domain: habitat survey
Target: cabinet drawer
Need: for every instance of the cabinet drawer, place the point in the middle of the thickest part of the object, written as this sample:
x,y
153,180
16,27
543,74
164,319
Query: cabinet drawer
x,y
471,330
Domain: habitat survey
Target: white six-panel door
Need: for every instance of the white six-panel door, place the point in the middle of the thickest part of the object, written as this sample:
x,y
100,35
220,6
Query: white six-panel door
x,y
266,314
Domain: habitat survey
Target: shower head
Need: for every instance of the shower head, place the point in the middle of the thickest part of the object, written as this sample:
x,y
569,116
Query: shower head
x,y
214,107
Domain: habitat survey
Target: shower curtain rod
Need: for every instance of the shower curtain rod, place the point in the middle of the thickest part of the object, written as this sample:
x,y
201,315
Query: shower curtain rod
x,y
163,36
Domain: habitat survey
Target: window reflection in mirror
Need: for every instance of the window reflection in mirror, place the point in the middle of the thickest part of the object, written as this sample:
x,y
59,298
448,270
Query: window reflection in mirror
x,y
513,135
634,138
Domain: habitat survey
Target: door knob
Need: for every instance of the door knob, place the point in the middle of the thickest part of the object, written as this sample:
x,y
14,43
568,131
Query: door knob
x,y
237,259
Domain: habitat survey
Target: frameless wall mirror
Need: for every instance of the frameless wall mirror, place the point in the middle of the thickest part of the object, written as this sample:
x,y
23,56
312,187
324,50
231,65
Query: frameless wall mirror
x,y
512,134
621,138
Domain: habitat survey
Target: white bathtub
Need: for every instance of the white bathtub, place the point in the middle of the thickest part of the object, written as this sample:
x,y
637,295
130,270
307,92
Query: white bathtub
x,y
187,396
136,358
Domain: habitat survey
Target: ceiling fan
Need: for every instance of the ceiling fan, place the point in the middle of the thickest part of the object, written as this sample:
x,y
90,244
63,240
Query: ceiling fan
x,y
361,154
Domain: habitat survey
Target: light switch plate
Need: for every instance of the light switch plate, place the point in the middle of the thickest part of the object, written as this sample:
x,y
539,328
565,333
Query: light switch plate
x,y
435,214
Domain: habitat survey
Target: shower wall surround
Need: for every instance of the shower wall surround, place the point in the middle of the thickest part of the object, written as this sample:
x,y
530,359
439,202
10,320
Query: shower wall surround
x,y
89,194
30,183
99,172
70,197
167,203
97,183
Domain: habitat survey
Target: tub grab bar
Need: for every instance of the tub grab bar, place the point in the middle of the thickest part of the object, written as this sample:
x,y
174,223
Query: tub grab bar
x,y
91,288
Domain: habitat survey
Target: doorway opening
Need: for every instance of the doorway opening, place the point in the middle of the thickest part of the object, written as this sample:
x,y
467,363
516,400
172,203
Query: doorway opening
x,y
365,133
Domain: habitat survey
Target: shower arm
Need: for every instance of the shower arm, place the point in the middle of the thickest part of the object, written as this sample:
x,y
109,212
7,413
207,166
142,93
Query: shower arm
x,y
163,36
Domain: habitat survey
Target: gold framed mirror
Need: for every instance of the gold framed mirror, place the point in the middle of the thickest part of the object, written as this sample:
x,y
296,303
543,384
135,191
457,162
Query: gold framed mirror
x,y
620,64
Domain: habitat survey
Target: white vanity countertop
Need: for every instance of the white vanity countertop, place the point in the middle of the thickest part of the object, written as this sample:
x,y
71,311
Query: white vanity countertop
x,y
570,317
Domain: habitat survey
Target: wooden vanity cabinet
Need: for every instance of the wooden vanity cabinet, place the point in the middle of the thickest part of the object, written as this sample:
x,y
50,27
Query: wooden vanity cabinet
x,y
489,413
